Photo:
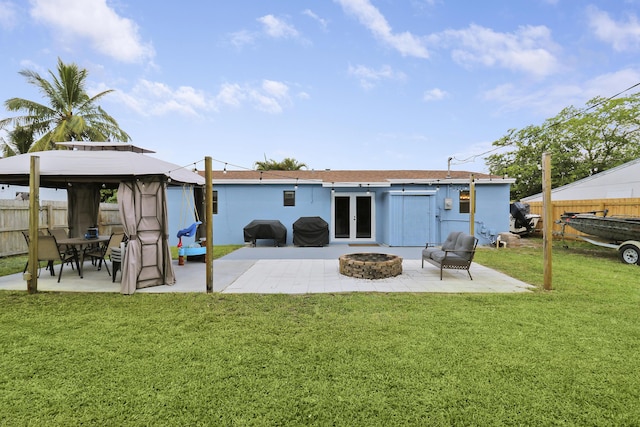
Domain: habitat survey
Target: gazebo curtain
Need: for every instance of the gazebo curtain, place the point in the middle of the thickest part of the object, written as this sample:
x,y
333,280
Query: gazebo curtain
x,y
147,260
83,202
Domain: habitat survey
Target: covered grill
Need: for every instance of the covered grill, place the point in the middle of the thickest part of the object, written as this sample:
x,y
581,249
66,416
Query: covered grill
x,y
265,229
310,231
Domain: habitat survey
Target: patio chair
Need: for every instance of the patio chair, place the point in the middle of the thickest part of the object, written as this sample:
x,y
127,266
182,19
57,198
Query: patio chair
x,y
99,253
60,234
26,239
48,250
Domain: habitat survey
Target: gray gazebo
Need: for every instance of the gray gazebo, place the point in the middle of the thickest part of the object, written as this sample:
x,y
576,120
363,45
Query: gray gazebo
x,y
87,167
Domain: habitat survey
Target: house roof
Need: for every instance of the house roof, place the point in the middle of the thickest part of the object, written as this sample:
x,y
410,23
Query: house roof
x,y
353,177
620,182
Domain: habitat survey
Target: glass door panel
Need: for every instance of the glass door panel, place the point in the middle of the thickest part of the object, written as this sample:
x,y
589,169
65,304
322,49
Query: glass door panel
x,y
363,217
342,223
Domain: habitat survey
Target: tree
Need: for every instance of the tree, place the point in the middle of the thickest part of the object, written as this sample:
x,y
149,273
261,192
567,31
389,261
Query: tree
x,y
581,142
71,114
19,141
288,164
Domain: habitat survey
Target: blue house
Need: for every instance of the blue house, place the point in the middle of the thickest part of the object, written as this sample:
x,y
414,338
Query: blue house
x,y
393,208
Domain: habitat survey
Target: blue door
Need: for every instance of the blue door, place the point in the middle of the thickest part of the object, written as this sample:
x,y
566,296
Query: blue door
x,y
416,215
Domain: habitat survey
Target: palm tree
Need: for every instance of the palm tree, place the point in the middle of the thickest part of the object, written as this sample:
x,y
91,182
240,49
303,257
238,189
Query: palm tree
x,y
19,141
72,115
288,164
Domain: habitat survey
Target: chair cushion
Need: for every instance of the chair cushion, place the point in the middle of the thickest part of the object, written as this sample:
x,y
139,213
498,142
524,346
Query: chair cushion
x,y
451,240
437,255
426,253
464,246
451,258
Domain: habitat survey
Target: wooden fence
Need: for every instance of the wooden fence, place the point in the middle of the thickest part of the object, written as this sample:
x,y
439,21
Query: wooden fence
x,y
14,219
627,207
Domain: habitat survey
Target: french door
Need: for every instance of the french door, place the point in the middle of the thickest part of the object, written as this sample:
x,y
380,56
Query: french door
x,y
353,216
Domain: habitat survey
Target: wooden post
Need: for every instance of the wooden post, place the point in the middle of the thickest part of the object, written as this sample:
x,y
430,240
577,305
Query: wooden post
x,y
34,223
547,221
472,205
208,197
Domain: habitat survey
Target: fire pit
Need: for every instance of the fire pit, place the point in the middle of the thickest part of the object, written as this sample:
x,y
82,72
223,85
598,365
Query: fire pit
x,y
370,265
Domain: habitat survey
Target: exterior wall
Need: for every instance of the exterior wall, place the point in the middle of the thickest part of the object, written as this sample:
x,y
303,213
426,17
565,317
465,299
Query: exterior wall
x,y
492,212
397,220
238,205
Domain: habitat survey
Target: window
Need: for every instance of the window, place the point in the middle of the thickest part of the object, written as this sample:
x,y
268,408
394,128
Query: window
x,y
215,201
464,201
289,198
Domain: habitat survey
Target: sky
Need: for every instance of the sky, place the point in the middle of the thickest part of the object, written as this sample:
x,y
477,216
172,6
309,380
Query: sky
x,y
334,84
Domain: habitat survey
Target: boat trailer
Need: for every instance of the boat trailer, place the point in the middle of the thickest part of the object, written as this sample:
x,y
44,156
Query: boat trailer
x,y
628,250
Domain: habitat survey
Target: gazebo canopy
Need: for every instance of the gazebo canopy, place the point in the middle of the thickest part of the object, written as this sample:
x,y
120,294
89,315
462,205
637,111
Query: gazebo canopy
x,y
101,164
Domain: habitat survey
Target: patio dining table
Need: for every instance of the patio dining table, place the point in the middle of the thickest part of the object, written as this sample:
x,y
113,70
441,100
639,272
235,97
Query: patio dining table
x,y
80,243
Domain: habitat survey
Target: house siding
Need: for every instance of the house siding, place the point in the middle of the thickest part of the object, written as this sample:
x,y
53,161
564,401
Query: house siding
x,y
403,217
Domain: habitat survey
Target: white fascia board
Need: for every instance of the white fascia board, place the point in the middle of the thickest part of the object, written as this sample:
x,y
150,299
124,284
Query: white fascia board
x,y
453,181
356,184
267,181
413,192
495,181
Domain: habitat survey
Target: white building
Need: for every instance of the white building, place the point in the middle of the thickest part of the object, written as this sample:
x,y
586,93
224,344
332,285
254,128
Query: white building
x,y
620,182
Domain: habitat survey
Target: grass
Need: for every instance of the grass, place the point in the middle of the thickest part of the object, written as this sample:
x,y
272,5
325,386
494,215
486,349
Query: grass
x,y
566,357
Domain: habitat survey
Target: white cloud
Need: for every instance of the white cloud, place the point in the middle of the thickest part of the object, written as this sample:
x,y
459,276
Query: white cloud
x,y
529,49
8,15
242,38
276,89
549,101
149,98
434,95
369,16
270,96
370,77
323,22
272,27
94,20
621,35
277,28
231,94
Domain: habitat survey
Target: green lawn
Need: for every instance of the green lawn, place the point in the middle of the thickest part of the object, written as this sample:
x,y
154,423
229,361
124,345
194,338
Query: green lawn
x,y
566,357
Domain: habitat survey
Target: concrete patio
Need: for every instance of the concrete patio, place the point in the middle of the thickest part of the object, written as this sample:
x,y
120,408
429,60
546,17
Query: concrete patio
x,y
288,270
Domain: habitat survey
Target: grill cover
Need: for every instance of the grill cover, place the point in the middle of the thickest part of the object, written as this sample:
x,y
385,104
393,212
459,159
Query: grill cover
x,y
265,229
310,231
